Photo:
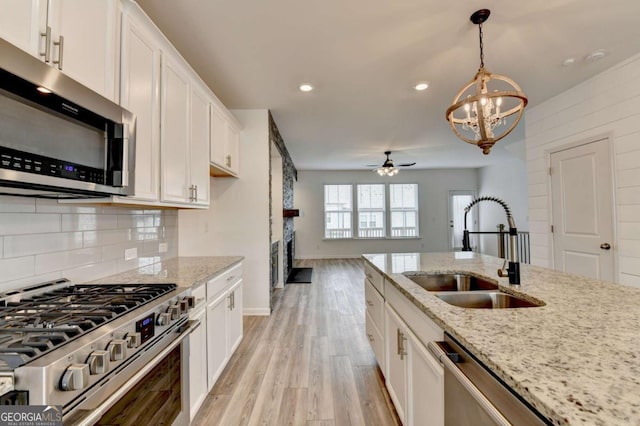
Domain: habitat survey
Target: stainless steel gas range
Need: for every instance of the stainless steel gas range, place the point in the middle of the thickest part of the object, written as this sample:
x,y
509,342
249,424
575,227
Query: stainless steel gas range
x,y
84,346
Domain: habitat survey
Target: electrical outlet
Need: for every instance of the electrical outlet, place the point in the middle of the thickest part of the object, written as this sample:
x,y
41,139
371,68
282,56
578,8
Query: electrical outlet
x,y
163,247
131,253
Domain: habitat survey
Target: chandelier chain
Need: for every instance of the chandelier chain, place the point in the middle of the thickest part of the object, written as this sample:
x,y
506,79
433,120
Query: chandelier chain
x,y
481,46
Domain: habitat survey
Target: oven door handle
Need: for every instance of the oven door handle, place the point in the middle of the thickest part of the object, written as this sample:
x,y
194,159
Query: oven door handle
x,y
95,415
444,357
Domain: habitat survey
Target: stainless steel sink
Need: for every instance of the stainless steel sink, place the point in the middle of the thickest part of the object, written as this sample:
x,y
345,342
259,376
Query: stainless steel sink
x,y
452,282
487,300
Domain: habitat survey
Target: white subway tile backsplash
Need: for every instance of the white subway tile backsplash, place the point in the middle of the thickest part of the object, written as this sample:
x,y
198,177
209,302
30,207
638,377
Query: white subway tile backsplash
x,y
28,223
108,237
66,260
41,240
20,267
9,204
88,222
24,245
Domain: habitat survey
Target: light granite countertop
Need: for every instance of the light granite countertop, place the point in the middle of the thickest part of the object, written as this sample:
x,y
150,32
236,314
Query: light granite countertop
x,y
576,359
184,271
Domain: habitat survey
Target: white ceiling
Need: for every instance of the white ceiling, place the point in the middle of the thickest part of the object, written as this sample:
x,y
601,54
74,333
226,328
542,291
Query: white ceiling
x,y
364,56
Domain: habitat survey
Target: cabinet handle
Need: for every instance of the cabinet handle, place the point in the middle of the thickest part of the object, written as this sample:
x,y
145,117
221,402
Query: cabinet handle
x,y
196,191
47,44
229,297
230,278
233,300
368,275
192,193
400,343
60,44
370,336
369,303
227,160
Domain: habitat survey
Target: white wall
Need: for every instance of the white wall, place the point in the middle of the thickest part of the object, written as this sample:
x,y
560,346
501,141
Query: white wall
x,y
507,181
237,222
606,105
41,240
434,187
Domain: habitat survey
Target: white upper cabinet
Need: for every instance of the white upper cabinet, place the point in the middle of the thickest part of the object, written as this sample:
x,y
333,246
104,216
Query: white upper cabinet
x,y
225,141
79,37
174,133
139,93
199,147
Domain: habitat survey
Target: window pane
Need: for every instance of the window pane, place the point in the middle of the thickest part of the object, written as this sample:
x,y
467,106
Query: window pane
x,y
459,202
404,209
371,207
337,207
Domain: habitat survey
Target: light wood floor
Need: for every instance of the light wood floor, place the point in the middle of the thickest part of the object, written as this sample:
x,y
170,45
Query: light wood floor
x,y
309,363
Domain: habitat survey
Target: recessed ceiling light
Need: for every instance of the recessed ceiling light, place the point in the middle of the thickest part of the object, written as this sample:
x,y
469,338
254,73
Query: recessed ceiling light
x,y
43,90
596,55
423,85
306,87
568,62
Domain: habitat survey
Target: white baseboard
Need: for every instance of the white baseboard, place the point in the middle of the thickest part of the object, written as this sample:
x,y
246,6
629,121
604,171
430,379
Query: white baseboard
x,y
329,256
264,312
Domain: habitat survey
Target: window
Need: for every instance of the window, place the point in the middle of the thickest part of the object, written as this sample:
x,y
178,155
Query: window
x,y
371,218
372,202
338,207
403,205
458,200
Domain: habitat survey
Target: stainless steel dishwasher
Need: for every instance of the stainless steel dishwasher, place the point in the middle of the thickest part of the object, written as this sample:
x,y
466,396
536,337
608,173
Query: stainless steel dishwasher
x,y
473,396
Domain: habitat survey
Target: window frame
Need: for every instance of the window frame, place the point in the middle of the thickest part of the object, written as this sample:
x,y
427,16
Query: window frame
x,y
325,211
382,210
404,209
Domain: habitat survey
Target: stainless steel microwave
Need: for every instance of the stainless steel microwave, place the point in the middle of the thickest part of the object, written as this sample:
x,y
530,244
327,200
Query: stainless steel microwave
x,y
58,138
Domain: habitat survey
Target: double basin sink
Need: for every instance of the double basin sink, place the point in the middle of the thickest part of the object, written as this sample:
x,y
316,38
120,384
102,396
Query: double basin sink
x,y
469,291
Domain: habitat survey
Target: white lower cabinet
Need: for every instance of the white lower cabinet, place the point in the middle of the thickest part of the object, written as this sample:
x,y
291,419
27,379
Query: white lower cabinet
x,y
216,338
413,376
396,357
224,321
198,362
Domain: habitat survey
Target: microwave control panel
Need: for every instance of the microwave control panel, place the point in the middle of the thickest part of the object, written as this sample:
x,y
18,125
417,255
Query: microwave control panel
x,y
32,163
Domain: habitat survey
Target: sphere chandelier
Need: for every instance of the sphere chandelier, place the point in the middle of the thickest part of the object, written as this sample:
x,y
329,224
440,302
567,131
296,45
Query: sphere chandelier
x,y
490,106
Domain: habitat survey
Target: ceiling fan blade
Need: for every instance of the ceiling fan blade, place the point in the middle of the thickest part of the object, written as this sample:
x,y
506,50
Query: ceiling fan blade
x,y
407,164
372,165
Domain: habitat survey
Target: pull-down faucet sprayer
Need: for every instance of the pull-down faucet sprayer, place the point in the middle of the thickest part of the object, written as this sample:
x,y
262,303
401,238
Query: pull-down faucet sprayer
x,y
513,271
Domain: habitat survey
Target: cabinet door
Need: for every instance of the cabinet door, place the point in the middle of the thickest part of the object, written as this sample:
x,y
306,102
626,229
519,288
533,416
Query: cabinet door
x,y
140,78
216,338
89,29
219,136
174,135
233,149
21,22
199,148
396,358
425,398
197,364
235,317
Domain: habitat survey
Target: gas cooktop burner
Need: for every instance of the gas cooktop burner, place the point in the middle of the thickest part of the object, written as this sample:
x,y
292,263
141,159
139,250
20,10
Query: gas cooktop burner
x,y
33,326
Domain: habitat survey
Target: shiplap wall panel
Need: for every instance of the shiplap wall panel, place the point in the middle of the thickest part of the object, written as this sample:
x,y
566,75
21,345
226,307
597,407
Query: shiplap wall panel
x,y
607,105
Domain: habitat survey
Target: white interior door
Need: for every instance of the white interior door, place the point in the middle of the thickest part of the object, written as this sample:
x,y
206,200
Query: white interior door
x,y
582,205
458,200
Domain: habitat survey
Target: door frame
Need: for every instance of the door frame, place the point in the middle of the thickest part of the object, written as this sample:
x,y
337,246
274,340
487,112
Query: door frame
x,y
608,137
473,227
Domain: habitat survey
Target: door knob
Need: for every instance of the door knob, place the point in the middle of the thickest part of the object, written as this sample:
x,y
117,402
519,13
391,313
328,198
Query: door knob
x,y
605,246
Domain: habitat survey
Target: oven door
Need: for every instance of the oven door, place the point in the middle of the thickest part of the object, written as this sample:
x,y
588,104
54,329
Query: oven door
x,y
155,393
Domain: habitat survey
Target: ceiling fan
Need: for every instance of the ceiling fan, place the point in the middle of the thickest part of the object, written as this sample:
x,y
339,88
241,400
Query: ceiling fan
x,y
387,168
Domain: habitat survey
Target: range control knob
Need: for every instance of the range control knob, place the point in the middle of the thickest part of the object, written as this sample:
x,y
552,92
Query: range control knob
x,y
164,318
184,306
133,339
117,349
191,302
75,377
174,311
98,362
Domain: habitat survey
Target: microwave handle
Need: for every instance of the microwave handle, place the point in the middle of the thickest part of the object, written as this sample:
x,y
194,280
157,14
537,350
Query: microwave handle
x,y
125,155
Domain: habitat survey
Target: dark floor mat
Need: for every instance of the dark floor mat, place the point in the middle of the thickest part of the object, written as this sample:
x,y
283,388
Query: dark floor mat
x,y
300,276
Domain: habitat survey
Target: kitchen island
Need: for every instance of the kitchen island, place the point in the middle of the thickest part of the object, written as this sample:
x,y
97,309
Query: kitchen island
x,y
576,359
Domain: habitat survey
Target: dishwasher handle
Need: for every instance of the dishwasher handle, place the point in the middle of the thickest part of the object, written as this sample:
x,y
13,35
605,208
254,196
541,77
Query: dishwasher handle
x,y
446,357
